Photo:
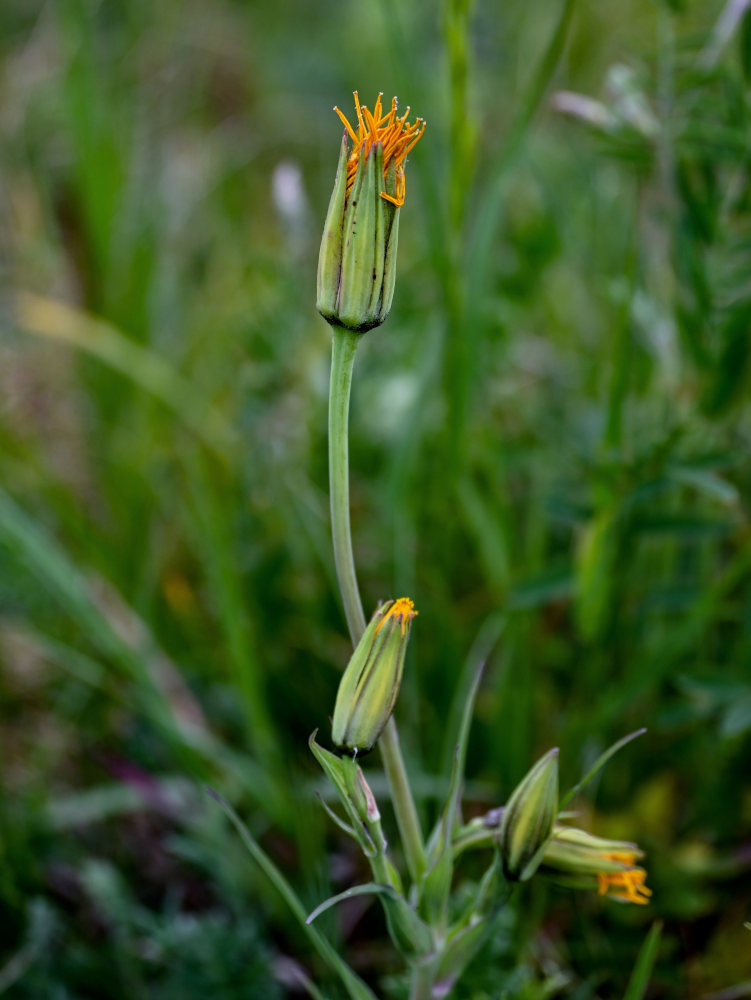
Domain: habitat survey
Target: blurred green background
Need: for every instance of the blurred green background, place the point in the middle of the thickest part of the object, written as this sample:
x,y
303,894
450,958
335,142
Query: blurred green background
x,y
550,454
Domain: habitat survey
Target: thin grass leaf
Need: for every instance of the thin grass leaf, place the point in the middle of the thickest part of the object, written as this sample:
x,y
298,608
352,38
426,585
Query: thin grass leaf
x,y
38,937
50,565
295,975
487,222
218,553
678,641
599,763
436,884
639,981
158,689
484,643
57,321
489,535
335,818
83,668
367,889
355,987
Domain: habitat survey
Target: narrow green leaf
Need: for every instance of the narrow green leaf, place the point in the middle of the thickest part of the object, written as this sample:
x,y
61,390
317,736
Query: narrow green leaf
x,y
482,646
599,763
216,546
708,483
637,985
58,321
367,889
355,987
436,884
133,650
530,103
460,753
410,935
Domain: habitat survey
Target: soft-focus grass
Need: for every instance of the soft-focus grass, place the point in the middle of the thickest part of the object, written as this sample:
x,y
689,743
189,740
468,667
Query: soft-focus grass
x,y
550,445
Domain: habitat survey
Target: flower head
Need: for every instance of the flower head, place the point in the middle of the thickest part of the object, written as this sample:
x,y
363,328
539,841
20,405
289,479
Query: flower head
x,y
576,858
357,262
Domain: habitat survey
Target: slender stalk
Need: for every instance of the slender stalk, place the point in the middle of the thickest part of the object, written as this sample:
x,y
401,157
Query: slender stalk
x,y
421,985
344,346
401,798
342,363
379,867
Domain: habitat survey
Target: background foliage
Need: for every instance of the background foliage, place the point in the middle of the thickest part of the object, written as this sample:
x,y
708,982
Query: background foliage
x,y
550,454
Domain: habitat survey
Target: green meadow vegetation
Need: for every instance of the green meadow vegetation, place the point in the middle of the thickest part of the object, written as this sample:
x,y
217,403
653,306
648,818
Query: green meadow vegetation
x,y
549,453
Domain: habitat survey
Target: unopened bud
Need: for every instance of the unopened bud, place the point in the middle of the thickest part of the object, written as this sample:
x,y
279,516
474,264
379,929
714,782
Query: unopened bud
x,y
370,684
528,818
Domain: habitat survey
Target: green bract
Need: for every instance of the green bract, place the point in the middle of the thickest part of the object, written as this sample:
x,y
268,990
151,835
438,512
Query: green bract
x,y
528,819
357,262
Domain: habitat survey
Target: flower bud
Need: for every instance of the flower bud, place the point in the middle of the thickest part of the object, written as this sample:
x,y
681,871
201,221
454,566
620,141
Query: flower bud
x,y
370,684
357,261
528,818
579,860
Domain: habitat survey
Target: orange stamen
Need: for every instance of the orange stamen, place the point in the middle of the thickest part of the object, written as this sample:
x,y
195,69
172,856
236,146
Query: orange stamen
x,y
627,884
403,608
395,135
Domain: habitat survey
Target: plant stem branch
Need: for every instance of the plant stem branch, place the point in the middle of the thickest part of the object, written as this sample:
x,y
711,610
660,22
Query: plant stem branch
x,y
421,985
342,363
401,798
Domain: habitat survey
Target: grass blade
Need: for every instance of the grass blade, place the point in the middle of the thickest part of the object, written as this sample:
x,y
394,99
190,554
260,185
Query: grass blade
x,y
61,322
637,984
599,763
368,889
356,988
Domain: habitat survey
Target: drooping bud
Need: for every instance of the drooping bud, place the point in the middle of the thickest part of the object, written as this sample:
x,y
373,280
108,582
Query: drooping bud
x,y
577,859
370,684
357,261
528,818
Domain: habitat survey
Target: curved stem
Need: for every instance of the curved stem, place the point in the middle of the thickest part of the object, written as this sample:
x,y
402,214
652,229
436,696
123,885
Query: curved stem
x,y
342,363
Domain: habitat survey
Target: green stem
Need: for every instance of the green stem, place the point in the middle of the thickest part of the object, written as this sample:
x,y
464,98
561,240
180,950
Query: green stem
x,y
421,985
404,804
342,363
380,868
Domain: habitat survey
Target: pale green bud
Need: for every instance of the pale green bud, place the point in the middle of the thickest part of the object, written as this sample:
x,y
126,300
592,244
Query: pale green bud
x,y
528,818
357,261
370,684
